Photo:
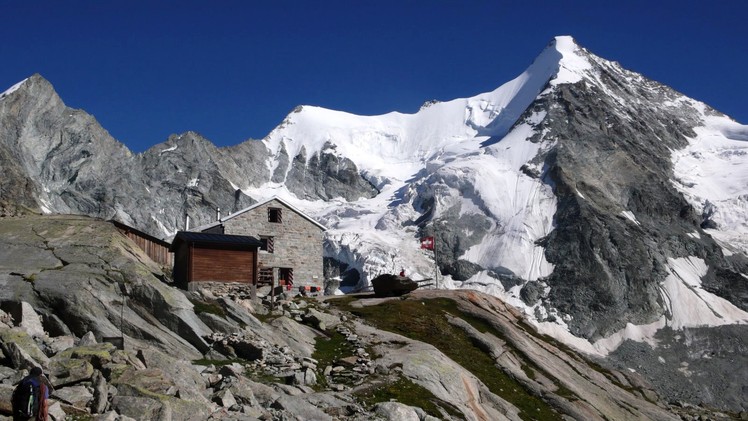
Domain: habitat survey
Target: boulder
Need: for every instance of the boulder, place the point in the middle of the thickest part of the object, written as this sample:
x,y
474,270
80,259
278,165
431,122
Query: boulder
x,y
299,338
55,326
242,391
396,411
137,407
6,392
219,324
88,339
150,382
58,344
320,320
173,310
247,350
100,393
77,396
179,373
66,371
239,313
97,354
299,407
20,349
30,321
110,416
107,284
9,375
56,413
235,370
389,285
224,398
264,394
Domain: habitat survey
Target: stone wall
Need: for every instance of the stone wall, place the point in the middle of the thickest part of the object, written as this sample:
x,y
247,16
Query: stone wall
x,y
297,241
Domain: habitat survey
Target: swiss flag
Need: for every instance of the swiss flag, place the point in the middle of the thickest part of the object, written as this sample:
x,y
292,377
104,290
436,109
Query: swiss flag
x,y
427,243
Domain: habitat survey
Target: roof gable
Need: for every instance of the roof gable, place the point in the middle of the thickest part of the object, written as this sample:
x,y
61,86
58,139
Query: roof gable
x,y
257,205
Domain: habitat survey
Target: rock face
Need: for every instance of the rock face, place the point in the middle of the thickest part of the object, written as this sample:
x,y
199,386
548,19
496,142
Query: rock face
x,y
608,268
308,358
60,160
79,274
86,266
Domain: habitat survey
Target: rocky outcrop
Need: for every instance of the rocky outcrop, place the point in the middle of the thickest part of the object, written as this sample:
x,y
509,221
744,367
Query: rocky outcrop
x,y
81,275
327,175
306,358
608,267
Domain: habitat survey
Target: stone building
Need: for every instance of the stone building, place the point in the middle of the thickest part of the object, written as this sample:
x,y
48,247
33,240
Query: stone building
x,y
291,241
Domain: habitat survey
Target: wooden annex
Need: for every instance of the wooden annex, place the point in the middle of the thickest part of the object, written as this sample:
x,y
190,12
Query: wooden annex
x,y
156,249
204,257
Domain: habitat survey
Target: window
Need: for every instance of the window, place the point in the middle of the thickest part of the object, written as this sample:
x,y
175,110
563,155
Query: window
x,y
274,215
267,244
286,274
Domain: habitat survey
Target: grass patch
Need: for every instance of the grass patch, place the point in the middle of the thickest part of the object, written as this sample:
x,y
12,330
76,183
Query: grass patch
x,y
425,321
327,351
208,307
331,348
406,392
265,318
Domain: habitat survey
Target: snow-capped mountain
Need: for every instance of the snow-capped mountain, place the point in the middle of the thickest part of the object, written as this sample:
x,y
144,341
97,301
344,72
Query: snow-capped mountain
x,y
604,205
569,191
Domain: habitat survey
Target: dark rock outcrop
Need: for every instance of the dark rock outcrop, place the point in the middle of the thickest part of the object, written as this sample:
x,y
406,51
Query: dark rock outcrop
x,y
613,155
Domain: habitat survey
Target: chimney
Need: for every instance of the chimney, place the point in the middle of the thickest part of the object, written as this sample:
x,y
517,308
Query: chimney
x,y
218,214
186,222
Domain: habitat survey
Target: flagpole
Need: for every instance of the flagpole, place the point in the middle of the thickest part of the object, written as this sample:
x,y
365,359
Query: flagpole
x,y
436,260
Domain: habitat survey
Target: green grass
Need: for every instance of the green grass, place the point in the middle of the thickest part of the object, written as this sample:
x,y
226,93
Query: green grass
x,y
331,348
208,307
406,392
426,321
328,350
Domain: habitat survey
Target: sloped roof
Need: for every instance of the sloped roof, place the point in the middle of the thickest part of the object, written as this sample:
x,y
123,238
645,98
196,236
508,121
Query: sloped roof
x,y
217,239
257,205
123,226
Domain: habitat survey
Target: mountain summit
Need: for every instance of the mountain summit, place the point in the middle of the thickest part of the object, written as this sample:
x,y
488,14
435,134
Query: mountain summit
x,y
608,207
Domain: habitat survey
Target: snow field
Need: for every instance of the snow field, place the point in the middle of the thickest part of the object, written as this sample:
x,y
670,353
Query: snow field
x,y
469,152
711,171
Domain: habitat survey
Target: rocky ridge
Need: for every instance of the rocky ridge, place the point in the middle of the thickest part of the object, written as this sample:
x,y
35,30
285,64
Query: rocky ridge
x,y
208,357
60,160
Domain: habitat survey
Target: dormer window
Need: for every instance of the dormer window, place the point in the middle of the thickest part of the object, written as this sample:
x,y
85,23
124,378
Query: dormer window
x,y
274,215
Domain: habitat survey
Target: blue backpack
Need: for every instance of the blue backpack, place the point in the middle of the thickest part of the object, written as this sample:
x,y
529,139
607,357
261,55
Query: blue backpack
x,y
26,398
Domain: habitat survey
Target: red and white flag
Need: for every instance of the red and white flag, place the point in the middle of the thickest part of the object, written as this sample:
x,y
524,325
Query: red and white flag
x,y
427,243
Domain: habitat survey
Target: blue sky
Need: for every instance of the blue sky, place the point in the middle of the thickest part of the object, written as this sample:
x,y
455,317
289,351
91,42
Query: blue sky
x,y
232,70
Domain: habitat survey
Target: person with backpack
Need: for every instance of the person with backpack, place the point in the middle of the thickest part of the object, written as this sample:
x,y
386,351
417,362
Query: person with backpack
x,y
30,397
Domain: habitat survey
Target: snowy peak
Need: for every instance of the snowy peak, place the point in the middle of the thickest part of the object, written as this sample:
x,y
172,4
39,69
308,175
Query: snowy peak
x,y
573,62
445,128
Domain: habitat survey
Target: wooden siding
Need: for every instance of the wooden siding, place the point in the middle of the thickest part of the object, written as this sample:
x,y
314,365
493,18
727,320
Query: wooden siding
x,y
159,253
222,265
